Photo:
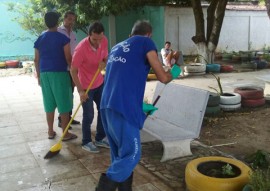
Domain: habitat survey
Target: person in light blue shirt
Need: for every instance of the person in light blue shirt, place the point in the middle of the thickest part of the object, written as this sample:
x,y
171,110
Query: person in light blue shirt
x,y
122,114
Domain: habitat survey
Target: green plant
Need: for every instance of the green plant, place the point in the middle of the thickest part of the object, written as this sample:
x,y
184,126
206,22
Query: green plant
x,y
259,159
220,92
260,180
228,170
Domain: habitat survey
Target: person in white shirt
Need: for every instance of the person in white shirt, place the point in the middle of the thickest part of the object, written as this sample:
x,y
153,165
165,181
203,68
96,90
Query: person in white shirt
x,y
67,29
169,56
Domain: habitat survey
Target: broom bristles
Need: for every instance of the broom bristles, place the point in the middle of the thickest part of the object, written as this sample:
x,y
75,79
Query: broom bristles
x,y
51,154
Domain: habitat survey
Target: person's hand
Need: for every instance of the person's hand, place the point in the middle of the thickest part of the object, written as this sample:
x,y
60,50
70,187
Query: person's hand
x,y
149,108
101,65
175,71
83,96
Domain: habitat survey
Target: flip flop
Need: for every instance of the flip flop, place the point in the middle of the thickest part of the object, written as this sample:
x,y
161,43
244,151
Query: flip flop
x,y
52,136
72,136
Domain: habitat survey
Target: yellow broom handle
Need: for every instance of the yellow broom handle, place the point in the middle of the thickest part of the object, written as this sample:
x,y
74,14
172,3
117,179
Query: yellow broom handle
x,y
73,116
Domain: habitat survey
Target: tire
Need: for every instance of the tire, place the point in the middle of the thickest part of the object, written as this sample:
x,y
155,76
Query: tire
x,y
210,111
197,181
151,77
213,68
213,100
226,68
193,73
197,67
12,64
250,92
253,102
230,107
230,99
2,65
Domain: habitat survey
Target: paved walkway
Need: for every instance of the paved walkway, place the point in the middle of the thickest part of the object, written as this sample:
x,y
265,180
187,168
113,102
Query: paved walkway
x,y
24,142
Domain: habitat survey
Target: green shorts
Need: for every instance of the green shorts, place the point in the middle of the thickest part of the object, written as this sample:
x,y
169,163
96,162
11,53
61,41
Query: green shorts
x,y
57,91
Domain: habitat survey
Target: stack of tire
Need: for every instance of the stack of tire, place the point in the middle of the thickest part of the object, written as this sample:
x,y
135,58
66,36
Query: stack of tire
x,y
2,65
214,68
230,101
226,68
252,96
213,107
194,69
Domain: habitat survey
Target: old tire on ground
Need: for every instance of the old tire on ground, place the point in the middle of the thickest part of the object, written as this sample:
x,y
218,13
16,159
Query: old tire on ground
x,y
213,68
196,181
231,107
151,77
197,67
2,65
250,92
213,100
193,73
230,98
253,102
226,68
212,111
12,63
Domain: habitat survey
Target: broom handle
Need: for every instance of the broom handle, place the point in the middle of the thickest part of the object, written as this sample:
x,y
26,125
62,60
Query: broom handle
x,y
156,100
73,116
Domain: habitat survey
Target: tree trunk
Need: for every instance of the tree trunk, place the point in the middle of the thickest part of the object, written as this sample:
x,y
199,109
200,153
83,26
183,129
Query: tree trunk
x,y
206,46
267,4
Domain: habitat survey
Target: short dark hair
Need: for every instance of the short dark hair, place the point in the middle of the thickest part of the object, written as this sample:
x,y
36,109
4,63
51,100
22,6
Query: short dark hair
x,y
168,42
96,27
51,19
69,13
141,28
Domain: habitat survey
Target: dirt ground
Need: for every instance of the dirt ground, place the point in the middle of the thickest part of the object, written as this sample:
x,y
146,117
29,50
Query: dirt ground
x,y
239,133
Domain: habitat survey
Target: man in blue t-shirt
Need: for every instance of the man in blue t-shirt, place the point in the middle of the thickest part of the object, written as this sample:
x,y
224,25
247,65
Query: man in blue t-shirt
x,y
121,104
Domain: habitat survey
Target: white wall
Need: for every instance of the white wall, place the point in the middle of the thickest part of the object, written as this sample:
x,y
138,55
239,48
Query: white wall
x,y
238,29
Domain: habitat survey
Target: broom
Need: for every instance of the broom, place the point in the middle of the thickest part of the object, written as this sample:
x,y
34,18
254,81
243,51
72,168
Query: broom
x,y
55,149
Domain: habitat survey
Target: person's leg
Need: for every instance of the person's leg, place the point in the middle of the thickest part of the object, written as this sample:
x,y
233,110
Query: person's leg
x,y
100,130
74,122
50,119
61,87
48,102
169,58
125,143
88,115
176,55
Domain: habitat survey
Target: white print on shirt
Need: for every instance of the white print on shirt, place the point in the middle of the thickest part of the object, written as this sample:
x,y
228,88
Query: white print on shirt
x,y
117,59
136,148
125,48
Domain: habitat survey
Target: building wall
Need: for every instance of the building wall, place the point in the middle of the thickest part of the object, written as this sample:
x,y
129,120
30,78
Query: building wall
x,y
241,30
14,41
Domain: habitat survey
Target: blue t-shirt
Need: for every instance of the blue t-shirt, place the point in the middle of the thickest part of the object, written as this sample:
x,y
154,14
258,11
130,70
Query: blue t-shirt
x,y
125,78
51,51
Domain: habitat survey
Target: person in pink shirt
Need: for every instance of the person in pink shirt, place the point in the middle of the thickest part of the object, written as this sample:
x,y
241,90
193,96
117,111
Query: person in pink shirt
x,y
89,55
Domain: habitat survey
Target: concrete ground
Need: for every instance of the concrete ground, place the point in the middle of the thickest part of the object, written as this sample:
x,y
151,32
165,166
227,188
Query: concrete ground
x,y
24,140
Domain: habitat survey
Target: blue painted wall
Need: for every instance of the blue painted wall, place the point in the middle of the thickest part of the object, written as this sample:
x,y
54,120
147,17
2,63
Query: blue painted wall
x,y
14,41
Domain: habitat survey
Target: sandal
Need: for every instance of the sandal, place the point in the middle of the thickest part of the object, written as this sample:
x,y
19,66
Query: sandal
x,y
70,137
52,136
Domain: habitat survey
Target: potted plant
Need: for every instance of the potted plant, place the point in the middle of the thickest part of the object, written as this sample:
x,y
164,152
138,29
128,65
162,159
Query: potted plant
x,y
228,101
216,173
